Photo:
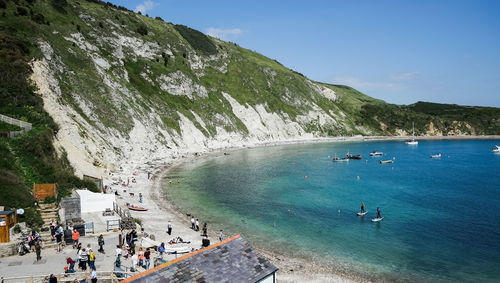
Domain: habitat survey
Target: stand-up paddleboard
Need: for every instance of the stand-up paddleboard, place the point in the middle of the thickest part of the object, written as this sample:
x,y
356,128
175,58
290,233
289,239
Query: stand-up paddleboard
x,y
377,219
361,213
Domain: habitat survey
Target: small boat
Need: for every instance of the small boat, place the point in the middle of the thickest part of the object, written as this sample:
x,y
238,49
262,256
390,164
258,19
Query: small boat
x,y
386,161
336,159
413,141
353,156
376,153
135,207
496,149
436,155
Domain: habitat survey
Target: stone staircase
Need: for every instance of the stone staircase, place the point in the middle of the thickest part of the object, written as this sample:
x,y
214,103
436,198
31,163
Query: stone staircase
x,y
48,212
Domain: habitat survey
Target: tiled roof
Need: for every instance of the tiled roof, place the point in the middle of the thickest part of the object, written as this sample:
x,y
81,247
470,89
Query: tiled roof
x,y
232,260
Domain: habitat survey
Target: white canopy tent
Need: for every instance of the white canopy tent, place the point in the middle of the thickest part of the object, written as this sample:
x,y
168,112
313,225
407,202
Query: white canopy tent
x,y
95,202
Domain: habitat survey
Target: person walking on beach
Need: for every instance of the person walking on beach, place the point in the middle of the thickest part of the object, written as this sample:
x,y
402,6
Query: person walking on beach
x,y
192,222
362,207
92,259
140,197
169,228
100,242
378,212
197,225
59,241
84,257
221,236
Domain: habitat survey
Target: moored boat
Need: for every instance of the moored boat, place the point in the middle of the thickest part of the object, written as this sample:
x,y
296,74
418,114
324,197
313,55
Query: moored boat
x,y
336,159
376,153
386,161
496,149
413,141
135,207
436,155
353,156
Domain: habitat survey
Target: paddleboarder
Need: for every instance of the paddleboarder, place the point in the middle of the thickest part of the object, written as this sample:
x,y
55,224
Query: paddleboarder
x,y
362,207
378,212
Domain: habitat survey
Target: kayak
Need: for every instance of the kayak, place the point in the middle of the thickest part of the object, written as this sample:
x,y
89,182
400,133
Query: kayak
x,y
361,213
377,219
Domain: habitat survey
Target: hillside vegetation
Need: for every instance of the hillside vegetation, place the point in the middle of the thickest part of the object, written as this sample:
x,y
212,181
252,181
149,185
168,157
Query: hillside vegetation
x,y
102,84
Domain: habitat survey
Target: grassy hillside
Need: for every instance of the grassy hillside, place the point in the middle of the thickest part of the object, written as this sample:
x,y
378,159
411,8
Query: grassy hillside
x,y
112,66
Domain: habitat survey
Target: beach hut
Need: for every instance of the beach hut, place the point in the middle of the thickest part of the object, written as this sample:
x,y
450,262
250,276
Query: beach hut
x,y
8,218
232,260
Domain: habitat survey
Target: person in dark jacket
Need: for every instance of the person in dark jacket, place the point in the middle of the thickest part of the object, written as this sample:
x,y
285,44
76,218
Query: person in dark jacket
x,y
100,242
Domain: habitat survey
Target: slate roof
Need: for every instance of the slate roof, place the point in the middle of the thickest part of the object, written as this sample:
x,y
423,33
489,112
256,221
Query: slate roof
x,y
232,260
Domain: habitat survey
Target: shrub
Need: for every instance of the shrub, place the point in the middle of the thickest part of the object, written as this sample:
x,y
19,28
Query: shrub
x,y
22,11
60,5
17,229
142,29
159,19
138,221
38,18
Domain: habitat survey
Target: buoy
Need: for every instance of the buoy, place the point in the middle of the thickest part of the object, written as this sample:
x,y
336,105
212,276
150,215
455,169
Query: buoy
x,y
339,211
357,177
305,177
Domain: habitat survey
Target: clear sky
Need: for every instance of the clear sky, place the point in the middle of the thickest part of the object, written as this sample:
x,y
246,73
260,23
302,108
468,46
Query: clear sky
x,y
399,51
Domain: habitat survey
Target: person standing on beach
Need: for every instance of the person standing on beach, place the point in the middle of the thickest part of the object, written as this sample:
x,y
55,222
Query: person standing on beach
x,y
197,225
38,249
192,222
169,228
205,230
221,236
100,242
75,235
147,255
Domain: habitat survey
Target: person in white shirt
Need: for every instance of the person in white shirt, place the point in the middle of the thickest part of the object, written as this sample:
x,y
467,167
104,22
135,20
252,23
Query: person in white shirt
x,y
134,262
118,251
93,275
192,223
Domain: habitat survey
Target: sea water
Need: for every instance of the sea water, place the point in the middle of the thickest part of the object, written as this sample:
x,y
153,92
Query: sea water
x,y
442,215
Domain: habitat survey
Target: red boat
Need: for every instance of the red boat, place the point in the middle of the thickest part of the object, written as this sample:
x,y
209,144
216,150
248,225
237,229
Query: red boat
x,y
135,207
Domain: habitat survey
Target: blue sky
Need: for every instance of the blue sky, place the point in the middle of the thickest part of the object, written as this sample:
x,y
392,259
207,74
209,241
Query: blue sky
x,y
399,51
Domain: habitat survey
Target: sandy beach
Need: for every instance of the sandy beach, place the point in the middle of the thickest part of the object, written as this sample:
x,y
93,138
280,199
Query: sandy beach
x,y
161,210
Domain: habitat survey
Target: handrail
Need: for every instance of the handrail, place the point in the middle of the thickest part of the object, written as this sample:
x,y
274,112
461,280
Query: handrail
x,y
70,277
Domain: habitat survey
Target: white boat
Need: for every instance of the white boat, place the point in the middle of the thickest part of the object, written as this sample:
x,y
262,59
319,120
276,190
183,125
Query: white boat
x,y
376,153
336,159
413,141
436,155
496,149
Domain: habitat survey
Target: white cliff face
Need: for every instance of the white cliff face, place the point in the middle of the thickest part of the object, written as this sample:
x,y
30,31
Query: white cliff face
x,y
92,147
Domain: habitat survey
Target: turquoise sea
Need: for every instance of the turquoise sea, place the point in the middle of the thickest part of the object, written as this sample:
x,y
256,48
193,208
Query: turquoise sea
x,y
442,216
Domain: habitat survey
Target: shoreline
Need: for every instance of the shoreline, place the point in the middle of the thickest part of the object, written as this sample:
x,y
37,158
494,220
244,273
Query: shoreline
x,y
292,269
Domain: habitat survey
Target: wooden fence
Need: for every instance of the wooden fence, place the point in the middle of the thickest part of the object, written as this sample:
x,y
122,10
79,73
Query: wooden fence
x,y
42,191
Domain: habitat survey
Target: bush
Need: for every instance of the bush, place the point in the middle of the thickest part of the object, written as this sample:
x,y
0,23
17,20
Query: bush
x,y
59,5
142,29
138,221
32,218
22,11
17,229
49,200
38,18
